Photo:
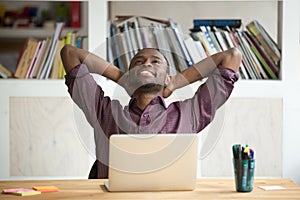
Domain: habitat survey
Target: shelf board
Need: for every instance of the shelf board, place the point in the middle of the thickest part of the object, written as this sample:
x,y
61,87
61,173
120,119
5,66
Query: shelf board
x,y
258,89
52,87
250,89
23,33
33,87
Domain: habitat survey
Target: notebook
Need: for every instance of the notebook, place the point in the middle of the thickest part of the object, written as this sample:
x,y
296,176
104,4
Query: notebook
x,y
152,162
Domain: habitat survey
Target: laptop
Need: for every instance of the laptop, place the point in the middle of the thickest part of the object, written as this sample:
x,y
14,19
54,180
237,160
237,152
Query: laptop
x,y
152,162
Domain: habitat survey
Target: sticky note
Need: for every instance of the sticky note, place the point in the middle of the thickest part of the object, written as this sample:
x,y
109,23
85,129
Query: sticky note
x,y
21,191
49,188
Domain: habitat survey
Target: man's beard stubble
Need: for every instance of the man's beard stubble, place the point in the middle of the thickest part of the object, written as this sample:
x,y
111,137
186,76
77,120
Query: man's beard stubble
x,y
149,88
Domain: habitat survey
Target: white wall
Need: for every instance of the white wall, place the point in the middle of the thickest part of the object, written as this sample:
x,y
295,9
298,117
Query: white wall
x,y
291,78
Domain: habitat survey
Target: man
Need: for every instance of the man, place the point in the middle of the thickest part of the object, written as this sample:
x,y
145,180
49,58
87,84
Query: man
x,y
148,83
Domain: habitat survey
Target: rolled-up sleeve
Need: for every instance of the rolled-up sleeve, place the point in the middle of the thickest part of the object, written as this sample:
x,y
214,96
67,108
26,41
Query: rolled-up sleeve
x,y
211,95
87,94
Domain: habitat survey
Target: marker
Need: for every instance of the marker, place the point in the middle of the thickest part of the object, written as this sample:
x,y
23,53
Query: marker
x,y
245,173
251,173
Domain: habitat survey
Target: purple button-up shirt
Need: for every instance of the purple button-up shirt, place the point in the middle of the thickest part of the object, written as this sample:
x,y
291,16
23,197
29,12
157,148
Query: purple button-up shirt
x,y
109,117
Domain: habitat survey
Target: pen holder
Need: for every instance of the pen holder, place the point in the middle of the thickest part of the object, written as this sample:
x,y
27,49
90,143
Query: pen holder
x,y
244,174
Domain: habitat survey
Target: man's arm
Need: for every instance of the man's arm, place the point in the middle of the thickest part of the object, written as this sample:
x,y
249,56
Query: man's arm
x,y
71,57
230,59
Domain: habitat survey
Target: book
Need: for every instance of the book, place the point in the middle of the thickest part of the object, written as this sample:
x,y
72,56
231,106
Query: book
x,y
248,57
269,73
38,59
34,59
163,43
262,52
115,47
56,61
232,41
259,71
75,14
200,36
200,49
232,23
180,38
179,60
268,39
192,50
209,40
130,40
48,64
214,39
61,71
136,27
4,72
43,58
124,57
220,38
263,38
26,57
230,44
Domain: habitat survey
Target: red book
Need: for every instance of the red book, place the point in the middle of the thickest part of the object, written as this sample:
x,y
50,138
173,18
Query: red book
x,y
75,14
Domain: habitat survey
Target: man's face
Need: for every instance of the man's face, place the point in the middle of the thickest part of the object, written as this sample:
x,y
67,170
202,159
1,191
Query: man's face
x,y
148,68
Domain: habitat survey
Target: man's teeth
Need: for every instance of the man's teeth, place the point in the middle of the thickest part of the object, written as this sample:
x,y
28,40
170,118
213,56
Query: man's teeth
x,y
146,73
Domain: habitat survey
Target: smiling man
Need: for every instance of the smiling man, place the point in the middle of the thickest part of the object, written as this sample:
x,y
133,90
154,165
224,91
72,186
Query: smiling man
x,y
148,83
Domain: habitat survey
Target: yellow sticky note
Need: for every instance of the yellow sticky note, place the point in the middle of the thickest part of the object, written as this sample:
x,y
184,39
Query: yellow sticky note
x,y
49,188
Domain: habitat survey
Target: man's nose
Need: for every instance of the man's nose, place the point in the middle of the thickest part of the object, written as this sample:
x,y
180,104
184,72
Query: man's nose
x,y
148,63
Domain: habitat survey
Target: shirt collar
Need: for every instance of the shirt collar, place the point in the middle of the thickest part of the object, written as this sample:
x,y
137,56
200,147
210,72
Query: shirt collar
x,y
157,100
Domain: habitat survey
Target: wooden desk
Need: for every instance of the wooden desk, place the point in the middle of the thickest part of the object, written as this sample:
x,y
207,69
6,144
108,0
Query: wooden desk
x,y
207,188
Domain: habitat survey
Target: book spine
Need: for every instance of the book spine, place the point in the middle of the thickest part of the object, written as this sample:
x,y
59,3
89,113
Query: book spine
x,y
257,34
233,23
75,15
178,35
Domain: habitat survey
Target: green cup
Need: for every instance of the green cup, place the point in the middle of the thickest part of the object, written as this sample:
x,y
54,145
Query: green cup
x,y
244,174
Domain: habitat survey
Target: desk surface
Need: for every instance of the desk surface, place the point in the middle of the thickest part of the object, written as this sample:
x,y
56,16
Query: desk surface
x,y
207,188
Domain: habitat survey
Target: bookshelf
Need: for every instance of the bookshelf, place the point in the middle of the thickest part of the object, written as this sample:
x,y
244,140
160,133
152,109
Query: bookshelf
x,y
49,92
37,20
13,31
282,94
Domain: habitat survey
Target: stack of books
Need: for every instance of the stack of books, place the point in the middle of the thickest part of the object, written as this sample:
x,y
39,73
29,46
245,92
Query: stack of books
x,y
41,59
128,34
261,55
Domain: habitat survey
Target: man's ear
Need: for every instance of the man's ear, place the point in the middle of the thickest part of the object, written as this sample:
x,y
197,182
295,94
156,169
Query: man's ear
x,y
168,85
168,80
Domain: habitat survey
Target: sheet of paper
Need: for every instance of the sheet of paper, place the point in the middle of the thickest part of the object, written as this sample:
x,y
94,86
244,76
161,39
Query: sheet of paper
x,y
272,187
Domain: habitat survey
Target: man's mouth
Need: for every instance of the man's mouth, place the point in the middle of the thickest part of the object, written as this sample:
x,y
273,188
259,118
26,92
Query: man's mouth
x,y
147,73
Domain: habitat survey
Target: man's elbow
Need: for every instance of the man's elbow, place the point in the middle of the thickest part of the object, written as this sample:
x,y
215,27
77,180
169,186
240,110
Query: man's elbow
x,y
68,57
65,51
233,59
